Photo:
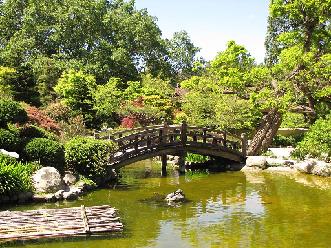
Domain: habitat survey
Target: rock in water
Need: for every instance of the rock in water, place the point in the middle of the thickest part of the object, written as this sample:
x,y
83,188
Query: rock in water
x,y
305,166
177,196
47,180
257,161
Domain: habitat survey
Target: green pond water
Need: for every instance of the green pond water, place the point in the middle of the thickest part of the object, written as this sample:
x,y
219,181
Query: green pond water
x,y
232,209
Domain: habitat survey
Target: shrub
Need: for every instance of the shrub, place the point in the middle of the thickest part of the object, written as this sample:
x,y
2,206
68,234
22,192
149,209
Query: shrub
x,y
89,157
11,112
58,111
9,140
196,158
5,159
293,120
74,127
15,176
39,118
29,132
317,141
284,141
128,122
180,117
47,152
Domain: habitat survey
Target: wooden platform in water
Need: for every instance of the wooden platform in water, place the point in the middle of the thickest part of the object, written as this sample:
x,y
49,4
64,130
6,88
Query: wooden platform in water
x,y
52,223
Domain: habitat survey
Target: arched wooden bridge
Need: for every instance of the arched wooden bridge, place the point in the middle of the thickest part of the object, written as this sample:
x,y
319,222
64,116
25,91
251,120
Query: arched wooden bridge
x,y
147,142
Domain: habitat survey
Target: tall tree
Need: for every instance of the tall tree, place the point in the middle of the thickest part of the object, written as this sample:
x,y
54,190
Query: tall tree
x,y
182,55
103,38
298,51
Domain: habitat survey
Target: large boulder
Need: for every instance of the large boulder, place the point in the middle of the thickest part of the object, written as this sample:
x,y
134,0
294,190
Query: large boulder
x,y
322,169
257,161
47,180
305,166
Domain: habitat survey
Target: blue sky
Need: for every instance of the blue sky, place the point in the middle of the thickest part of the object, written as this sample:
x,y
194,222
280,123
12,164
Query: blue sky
x,y
211,23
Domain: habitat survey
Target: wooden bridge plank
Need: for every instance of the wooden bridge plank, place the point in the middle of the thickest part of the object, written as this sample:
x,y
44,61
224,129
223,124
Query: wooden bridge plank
x,y
57,222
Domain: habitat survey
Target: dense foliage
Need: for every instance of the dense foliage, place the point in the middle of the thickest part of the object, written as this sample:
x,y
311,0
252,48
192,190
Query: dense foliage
x,y
11,112
196,158
46,152
40,40
83,65
39,118
317,141
15,177
76,89
89,157
29,132
9,140
148,101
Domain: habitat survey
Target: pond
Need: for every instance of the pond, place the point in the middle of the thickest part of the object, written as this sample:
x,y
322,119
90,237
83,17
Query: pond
x,y
232,209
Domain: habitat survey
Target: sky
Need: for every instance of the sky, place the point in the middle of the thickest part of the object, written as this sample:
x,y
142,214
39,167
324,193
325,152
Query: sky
x,y
212,23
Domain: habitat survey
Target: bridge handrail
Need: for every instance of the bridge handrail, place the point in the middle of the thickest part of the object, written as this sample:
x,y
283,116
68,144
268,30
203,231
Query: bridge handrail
x,y
216,131
112,132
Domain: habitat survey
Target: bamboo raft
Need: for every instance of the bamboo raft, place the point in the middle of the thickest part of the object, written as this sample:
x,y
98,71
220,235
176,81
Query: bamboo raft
x,y
53,223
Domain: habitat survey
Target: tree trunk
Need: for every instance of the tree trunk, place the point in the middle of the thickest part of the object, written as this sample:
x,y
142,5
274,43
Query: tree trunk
x,y
265,132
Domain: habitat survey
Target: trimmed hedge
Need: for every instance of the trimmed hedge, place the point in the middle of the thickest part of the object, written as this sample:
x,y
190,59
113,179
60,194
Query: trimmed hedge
x,y
15,177
29,132
11,112
89,157
45,151
9,140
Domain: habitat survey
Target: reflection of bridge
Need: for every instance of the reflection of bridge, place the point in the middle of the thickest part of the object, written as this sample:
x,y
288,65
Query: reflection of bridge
x,y
147,142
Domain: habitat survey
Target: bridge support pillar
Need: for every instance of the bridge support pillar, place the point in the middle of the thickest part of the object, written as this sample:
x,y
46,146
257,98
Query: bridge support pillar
x,y
164,165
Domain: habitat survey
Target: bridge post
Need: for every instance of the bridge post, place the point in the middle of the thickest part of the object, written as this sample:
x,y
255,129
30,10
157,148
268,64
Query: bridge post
x,y
182,156
244,144
136,140
183,133
204,134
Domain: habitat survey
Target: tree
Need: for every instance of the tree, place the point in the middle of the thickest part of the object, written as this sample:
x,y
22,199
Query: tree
x,y
182,55
6,75
104,38
76,91
108,99
299,36
220,97
146,102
